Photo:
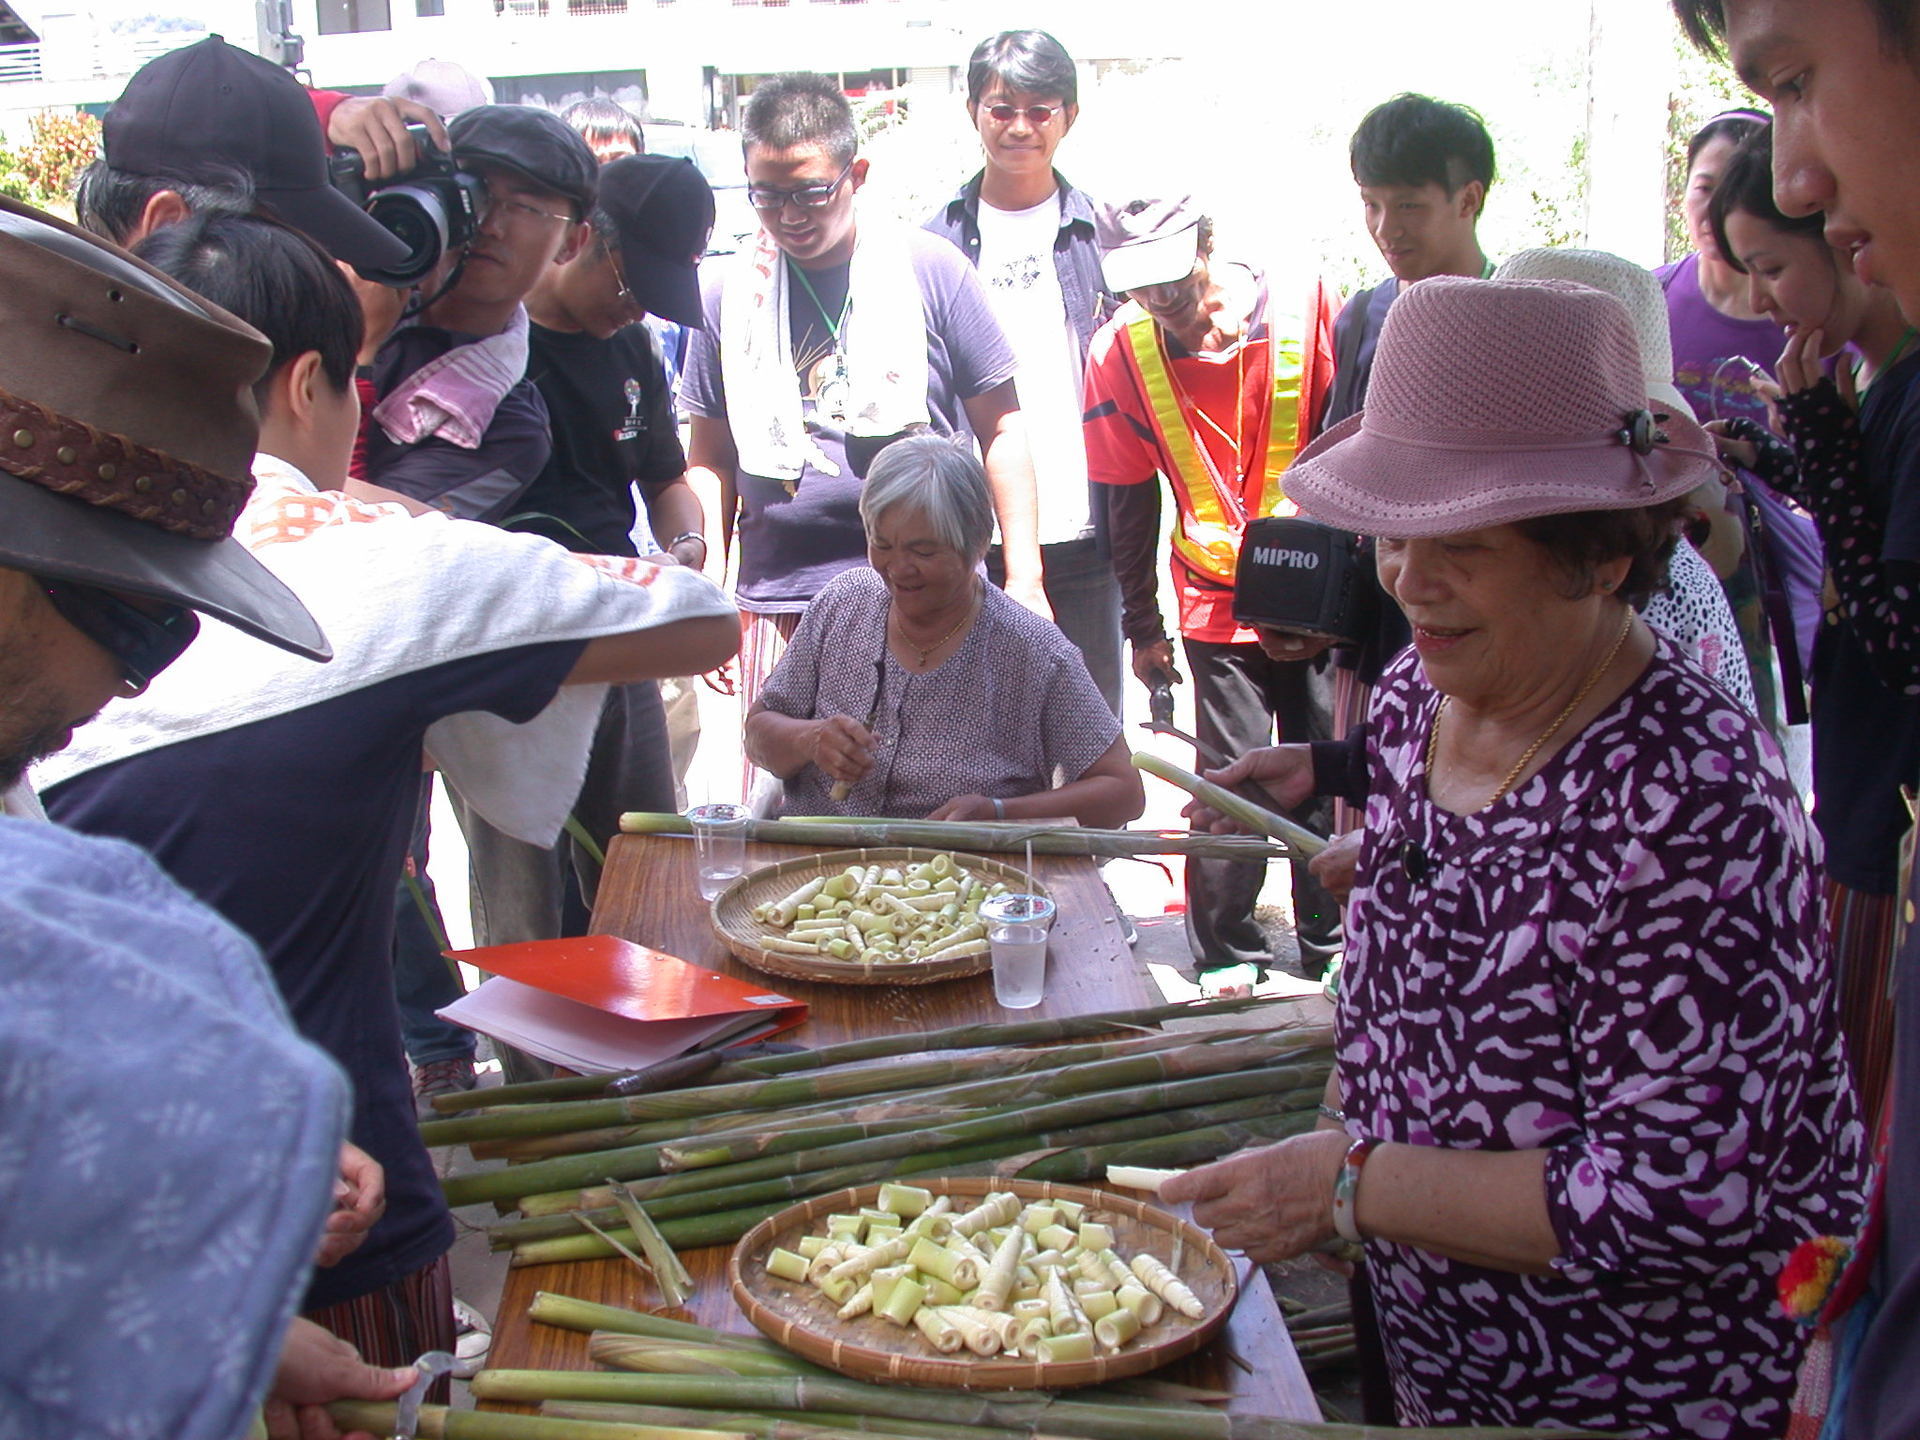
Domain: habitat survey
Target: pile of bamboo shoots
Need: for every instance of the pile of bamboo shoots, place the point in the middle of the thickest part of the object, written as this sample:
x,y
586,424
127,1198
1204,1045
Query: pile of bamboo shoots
x,y
707,1164
669,1380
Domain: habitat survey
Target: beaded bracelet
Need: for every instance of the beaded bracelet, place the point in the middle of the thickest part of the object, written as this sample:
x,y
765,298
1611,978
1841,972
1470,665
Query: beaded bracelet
x,y
1346,1189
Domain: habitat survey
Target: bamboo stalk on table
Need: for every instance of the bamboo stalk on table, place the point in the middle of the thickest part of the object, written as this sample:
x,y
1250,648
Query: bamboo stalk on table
x,y
1298,839
1096,1092
783,1092
1008,837
571,1171
565,1312
662,1357
1015,1135
1180,1135
877,1047
1033,1412
776,1425
438,1422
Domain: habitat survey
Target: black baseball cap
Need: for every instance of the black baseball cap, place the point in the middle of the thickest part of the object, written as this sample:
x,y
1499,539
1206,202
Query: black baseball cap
x,y
535,142
662,213
203,111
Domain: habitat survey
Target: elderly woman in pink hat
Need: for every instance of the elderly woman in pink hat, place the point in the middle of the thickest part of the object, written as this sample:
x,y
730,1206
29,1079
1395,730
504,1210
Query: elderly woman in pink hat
x,y
1590,1086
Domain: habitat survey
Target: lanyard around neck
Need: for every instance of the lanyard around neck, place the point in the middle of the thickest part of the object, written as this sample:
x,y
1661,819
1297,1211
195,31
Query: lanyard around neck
x,y
833,326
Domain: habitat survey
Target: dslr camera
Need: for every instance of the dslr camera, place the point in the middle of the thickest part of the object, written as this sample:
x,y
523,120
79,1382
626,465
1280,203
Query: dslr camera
x,y
431,209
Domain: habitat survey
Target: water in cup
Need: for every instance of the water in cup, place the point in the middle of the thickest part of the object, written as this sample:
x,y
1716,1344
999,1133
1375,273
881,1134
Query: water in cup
x,y
720,838
1019,965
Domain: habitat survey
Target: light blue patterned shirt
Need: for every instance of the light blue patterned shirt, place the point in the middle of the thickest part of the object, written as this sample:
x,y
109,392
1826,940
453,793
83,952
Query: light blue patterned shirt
x,y
167,1151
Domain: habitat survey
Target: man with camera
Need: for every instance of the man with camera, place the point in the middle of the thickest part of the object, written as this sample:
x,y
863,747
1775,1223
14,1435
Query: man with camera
x,y
212,127
458,426
1208,378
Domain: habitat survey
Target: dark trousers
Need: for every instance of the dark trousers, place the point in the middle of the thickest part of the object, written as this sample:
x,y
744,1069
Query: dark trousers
x,y
1238,696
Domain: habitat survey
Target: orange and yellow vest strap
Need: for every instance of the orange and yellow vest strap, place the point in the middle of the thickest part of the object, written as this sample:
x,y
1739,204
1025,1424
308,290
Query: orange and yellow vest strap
x,y
1206,533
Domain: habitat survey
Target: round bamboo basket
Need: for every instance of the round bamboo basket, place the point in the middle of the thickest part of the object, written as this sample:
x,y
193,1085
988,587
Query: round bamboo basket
x,y
742,934
868,1348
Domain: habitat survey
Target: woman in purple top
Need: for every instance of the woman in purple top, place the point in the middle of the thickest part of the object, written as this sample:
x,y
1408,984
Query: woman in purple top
x,y
975,708
1593,1085
1722,348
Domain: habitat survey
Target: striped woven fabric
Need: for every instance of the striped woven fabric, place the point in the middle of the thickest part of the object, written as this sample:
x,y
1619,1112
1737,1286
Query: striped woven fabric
x,y
1861,928
399,1323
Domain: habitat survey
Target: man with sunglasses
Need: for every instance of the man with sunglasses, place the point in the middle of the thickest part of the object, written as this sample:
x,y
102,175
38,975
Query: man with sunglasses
x,y
1031,235
130,424
829,336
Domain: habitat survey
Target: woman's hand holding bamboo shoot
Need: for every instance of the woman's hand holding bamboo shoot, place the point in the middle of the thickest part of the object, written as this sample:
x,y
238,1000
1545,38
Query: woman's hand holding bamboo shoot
x,y
1334,866
317,1367
1285,772
1272,1203
842,747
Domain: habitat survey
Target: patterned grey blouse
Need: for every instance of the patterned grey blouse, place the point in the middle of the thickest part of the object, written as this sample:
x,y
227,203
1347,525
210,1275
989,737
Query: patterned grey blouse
x,y
1011,712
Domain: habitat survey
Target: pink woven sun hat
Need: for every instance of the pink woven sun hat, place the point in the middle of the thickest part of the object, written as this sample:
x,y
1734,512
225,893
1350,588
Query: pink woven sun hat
x,y
1493,401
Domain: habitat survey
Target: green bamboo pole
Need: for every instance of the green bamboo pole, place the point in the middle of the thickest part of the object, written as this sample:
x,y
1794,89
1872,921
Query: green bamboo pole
x,y
879,1047
781,1093
1297,838
1182,1136
437,1422
662,1357
1229,1124
567,1313
1090,1095
1036,1120
772,1424
1011,837
1031,1411
574,1171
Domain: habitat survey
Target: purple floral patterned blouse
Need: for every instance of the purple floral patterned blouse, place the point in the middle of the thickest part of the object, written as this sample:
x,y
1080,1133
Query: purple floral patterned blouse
x,y
1621,962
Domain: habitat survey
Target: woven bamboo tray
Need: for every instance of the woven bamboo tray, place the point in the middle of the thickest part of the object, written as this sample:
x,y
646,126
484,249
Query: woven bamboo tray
x,y
869,1348
734,923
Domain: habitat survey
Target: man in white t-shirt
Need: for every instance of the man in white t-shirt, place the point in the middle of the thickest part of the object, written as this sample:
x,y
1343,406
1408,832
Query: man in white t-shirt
x,y
1031,236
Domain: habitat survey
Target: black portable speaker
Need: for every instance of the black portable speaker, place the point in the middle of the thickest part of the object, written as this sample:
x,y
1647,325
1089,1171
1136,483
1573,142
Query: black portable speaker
x,y
1304,577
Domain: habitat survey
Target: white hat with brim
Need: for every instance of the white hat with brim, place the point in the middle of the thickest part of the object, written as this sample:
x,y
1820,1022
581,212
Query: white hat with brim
x,y
1495,401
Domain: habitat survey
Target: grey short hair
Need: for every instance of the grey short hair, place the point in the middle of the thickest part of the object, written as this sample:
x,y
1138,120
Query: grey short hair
x,y
109,202
942,480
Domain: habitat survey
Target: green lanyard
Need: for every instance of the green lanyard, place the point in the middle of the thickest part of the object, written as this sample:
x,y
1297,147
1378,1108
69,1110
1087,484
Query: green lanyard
x,y
1907,338
833,326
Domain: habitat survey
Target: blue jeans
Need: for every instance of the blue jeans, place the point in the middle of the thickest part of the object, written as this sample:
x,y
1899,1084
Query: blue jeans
x,y
423,978
1086,606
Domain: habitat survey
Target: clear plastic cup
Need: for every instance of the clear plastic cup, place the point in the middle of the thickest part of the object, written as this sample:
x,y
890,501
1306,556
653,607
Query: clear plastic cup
x,y
720,844
1017,927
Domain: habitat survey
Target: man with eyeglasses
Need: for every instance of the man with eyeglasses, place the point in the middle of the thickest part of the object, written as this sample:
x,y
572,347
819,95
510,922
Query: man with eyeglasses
x,y
829,336
127,1008
457,425
1031,235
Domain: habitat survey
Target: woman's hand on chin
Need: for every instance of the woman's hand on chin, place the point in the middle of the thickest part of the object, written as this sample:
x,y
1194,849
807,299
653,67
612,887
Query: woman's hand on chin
x,y
842,747
965,807
1272,1203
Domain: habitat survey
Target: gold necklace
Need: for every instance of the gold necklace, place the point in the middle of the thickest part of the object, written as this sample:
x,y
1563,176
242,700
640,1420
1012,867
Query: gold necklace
x,y
1433,736
923,651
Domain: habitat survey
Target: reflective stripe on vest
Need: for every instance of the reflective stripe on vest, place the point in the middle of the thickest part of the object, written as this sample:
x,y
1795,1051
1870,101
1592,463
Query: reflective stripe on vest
x,y
1206,533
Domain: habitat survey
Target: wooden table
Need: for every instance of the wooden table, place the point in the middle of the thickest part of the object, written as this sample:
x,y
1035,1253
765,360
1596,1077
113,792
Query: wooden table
x,y
649,893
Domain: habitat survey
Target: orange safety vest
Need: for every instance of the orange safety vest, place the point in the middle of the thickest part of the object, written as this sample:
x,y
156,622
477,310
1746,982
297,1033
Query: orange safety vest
x,y
1214,508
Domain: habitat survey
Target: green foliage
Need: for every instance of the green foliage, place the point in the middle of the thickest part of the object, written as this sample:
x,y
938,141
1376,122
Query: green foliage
x,y
1704,88
43,171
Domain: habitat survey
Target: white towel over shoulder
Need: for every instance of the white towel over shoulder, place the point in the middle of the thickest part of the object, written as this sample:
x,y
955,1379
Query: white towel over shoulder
x,y
885,344
398,593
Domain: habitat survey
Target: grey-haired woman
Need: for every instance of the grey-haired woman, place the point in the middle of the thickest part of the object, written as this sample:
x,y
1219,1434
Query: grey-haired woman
x,y
913,688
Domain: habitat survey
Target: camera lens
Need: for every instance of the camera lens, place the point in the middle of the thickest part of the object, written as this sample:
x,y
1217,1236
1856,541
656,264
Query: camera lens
x,y
415,216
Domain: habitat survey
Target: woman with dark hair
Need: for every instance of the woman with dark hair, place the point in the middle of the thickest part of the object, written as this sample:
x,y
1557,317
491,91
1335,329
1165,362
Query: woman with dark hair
x,y
1589,1090
1852,457
1722,348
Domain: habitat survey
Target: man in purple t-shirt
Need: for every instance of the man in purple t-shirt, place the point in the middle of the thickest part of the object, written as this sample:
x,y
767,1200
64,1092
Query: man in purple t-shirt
x,y
806,324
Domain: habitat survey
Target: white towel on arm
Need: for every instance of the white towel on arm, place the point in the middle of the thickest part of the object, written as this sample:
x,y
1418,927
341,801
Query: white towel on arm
x,y
884,340
398,593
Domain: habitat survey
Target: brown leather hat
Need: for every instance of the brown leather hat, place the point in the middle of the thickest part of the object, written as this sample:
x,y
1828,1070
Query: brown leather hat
x,y
127,431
